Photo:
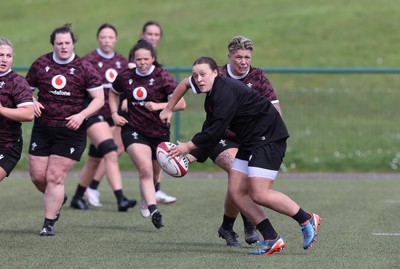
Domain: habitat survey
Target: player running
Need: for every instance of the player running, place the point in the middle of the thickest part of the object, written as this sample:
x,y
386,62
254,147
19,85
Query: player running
x,y
147,87
262,136
16,106
70,91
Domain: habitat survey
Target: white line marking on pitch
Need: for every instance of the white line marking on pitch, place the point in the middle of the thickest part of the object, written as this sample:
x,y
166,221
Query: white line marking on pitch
x,y
387,234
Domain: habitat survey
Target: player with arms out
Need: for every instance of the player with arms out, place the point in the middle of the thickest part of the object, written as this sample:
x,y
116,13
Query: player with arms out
x,y
70,90
103,150
147,87
239,67
16,106
261,134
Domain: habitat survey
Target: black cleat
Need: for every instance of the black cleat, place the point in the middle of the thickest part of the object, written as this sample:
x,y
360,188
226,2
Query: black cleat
x,y
58,214
47,230
229,236
79,203
125,204
250,235
156,218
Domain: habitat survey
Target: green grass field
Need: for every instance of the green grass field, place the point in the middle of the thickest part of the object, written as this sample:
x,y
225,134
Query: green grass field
x,y
359,228
337,122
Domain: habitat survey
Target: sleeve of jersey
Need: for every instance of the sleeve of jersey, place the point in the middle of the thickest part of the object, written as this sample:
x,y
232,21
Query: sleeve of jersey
x,y
268,91
116,86
224,106
169,82
94,81
30,77
23,93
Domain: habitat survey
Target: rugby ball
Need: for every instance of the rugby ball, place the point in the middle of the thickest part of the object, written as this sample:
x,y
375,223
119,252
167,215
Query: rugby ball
x,y
173,166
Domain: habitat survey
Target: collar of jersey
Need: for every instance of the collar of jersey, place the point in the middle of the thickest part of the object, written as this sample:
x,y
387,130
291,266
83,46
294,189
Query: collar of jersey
x,y
228,67
70,59
145,74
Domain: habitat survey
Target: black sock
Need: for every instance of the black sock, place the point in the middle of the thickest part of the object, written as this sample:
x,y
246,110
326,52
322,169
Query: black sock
x,y
152,208
301,216
157,186
246,222
119,195
49,222
94,184
268,232
227,223
80,191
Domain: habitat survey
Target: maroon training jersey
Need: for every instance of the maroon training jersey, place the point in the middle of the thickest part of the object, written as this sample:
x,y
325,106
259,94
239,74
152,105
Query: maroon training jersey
x,y
255,79
14,92
63,87
139,89
108,66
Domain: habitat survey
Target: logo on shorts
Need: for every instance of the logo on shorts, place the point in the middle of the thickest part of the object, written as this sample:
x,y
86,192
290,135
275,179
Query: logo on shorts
x,y
111,74
1,156
140,93
59,82
223,142
135,135
71,150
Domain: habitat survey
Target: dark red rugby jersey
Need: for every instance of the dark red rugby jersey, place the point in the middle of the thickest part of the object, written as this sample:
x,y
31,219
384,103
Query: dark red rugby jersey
x,y
63,88
257,80
14,92
155,87
108,68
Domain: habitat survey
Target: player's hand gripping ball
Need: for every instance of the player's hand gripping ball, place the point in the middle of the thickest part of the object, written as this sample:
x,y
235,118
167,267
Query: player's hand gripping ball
x,y
173,166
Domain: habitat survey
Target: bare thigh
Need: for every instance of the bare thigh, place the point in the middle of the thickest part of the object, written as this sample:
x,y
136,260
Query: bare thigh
x,y
99,132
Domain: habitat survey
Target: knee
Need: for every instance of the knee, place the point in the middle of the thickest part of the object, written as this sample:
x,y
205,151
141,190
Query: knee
x,y
106,147
258,197
111,156
233,194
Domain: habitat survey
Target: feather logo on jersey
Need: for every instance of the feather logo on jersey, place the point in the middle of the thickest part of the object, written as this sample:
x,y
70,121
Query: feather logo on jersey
x,y
140,93
111,74
58,82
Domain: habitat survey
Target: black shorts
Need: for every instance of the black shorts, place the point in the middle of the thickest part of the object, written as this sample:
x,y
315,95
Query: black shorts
x,y
202,155
46,141
98,118
269,156
9,157
130,136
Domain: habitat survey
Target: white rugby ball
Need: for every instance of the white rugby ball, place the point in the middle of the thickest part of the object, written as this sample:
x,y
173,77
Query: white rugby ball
x,y
173,166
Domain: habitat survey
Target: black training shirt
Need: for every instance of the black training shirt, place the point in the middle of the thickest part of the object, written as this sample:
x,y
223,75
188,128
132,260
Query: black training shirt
x,y
232,104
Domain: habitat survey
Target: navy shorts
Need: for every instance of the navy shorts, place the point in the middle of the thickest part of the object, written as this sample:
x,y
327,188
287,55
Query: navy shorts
x,y
202,155
129,136
9,157
46,141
